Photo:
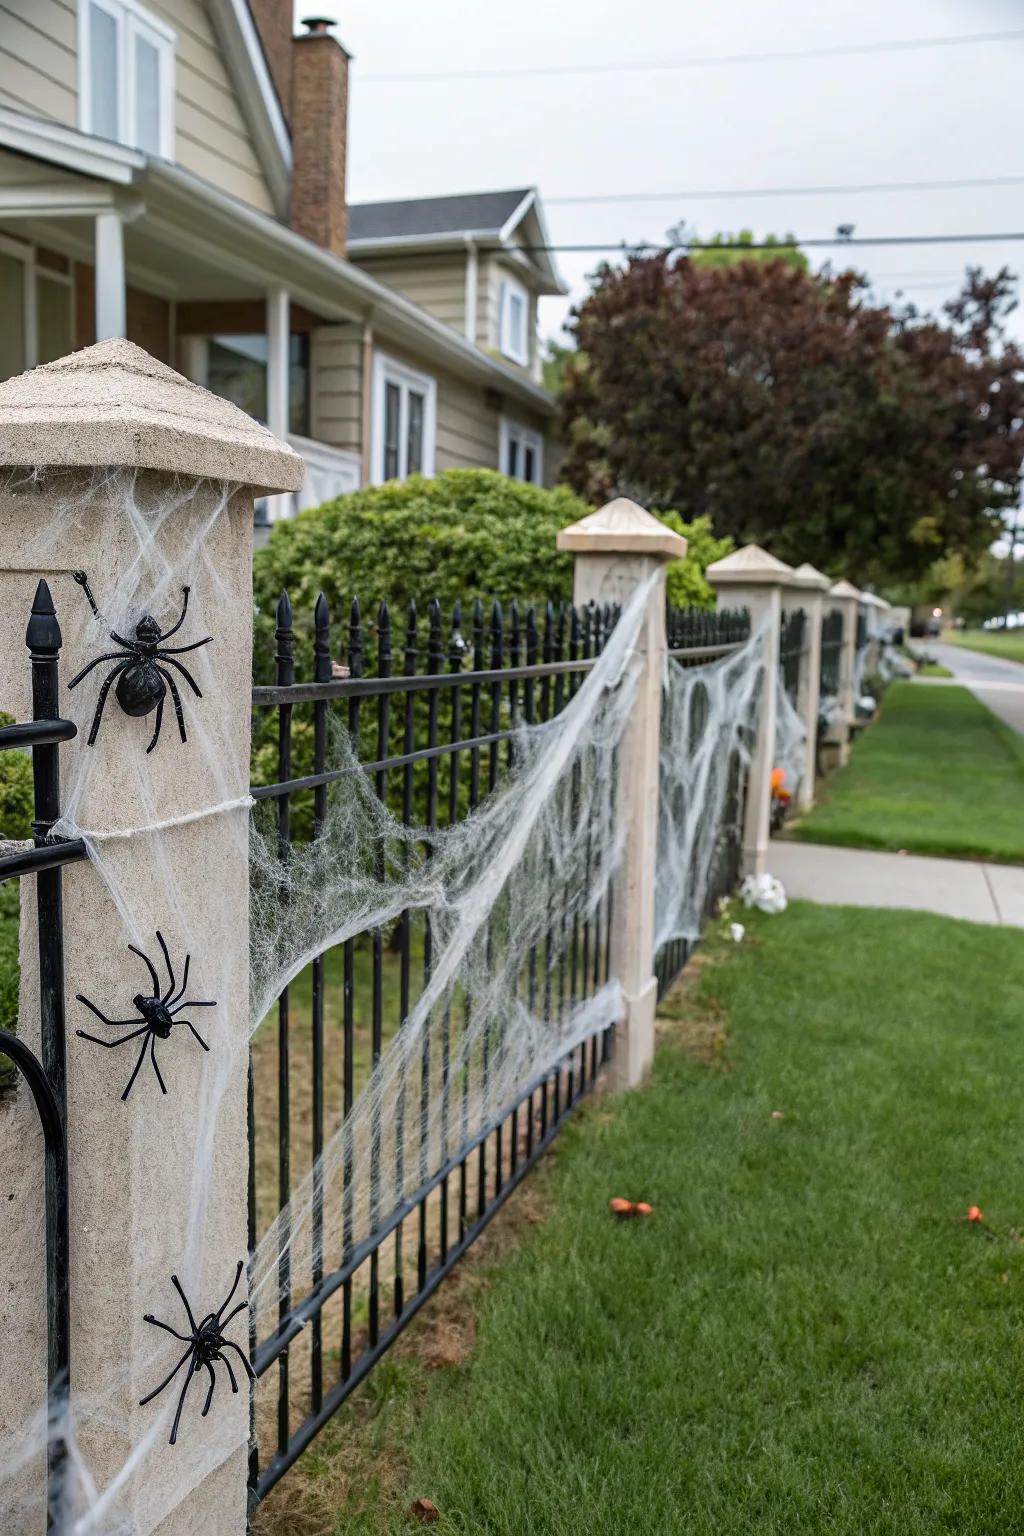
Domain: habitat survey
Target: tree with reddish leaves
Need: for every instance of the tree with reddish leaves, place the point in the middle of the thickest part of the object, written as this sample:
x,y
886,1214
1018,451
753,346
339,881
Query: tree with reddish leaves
x,y
796,414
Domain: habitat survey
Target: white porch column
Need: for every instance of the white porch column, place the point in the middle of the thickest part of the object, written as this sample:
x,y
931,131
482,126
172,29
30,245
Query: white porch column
x,y
811,587
616,550
278,333
845,596
111,294
751,578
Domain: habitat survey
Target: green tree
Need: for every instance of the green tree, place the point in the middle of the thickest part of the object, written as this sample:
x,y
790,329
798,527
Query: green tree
x,y
15,822
720,251
795,414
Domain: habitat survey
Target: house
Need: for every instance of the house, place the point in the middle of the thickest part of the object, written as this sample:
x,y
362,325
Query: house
x,y
174,171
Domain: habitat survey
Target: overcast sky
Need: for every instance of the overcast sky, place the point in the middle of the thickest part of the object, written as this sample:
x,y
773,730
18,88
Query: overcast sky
x,y
931,114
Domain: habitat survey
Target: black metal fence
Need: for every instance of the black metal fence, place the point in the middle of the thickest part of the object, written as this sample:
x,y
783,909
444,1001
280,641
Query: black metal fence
x,y
45,1075
432,711
831,653
792,646
696,638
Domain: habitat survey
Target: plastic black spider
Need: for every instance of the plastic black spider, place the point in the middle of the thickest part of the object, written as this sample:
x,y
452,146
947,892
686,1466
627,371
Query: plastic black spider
x,y
158,1014
142,683
206,1344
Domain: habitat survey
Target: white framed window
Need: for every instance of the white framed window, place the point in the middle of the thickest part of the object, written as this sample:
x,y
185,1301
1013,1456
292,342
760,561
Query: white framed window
x,y
404,421
521,452
37,308
126,75
514,321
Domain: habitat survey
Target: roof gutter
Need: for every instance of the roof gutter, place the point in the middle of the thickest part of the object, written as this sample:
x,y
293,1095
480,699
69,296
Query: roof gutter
x,y
321,280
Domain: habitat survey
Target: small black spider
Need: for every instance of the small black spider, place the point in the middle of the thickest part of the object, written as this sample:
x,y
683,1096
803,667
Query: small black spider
x,y
206,1343
141,683
157,1013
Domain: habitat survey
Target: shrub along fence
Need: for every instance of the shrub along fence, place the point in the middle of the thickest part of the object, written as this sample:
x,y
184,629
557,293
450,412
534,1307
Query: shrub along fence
x,y
459,891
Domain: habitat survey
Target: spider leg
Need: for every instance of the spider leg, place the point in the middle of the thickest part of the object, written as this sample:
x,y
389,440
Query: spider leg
x,y
176,699
181,618
186,674
181,1403
158,722
119,1041
156,1069
179,650
97,717
102,1016
135,1073
151,967
190,1004
227,1366
184,983
149,1318
177,1286
169,1377
107,656
234,1288
209,1395
195,1031
170,968
227,1344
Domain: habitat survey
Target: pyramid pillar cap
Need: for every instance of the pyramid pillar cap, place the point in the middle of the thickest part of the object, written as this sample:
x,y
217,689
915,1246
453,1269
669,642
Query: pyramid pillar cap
x,y
112,405
624,528
750,566
845,589
807,575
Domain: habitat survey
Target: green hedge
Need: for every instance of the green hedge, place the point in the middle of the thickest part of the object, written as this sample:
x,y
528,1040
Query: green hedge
x,y
467,533
15,822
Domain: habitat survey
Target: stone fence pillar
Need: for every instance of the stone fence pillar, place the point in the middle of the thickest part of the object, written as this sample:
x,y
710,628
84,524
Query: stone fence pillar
x,y
752,578
809,595
118,468
616,549
845,596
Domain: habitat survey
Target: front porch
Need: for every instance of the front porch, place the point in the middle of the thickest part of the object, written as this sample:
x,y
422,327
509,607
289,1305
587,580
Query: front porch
x,y
83,260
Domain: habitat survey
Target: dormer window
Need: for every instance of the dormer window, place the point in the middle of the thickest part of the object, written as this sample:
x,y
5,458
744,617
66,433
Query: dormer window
x,y
126,76
514,321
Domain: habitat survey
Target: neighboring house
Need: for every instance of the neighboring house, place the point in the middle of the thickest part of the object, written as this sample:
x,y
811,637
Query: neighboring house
x,y
174,172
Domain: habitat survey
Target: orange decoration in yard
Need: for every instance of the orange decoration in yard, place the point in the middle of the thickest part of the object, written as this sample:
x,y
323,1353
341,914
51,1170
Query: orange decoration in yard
x,y
620,1207
779,792
974,1213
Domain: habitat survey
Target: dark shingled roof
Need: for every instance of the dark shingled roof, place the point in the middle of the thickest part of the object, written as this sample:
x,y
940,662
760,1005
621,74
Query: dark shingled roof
x,y
478,212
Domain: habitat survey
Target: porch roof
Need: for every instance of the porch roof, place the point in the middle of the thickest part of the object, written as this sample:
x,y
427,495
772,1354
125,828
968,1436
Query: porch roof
x,y
186,239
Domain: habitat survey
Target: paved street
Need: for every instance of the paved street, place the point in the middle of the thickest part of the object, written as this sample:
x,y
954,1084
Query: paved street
x,y
997,683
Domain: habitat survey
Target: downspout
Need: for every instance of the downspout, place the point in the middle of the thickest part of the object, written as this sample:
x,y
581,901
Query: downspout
x,y
367,400
472,286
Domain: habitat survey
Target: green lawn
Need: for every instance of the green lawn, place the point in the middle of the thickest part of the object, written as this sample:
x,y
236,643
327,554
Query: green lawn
x,y
806,1336
933,669
937,774
1008,645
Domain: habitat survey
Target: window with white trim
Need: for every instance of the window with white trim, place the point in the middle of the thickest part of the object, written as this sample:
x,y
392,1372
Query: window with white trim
x,y
514,321
126,75
404,421
521,452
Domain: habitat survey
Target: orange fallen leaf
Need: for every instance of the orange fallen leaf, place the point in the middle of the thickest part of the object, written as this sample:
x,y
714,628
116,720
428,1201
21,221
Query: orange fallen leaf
x,y
974,1213
620,1207
425,1511
643,1209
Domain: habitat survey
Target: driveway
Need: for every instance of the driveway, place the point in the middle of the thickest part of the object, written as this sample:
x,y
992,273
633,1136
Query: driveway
x,y
997,683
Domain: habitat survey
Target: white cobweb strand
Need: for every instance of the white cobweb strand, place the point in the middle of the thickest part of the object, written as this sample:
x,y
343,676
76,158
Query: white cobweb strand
x,y
501,895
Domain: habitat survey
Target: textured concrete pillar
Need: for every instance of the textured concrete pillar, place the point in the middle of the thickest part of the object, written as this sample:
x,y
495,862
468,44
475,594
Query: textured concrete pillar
x,y
617,549
752,578
845,596
811,587
158,1180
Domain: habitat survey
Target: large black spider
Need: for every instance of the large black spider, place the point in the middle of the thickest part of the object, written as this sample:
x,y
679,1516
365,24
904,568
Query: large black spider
x,y
206,1344
158,1014
142,683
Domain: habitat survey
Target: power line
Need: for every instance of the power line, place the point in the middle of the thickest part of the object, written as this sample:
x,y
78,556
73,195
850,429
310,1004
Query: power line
x,y
648,247
697,61
744,192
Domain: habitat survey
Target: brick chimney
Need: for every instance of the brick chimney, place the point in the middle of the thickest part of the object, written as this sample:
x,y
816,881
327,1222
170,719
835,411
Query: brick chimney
x,y
273,20
319,124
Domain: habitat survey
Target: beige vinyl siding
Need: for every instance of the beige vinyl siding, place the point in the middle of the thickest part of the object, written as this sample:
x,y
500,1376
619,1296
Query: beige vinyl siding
x,y
38,58
336,393
39,76
436,283
489,305
467,427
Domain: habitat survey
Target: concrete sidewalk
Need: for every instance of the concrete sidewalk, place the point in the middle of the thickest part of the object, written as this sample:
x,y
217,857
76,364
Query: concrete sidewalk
x,y
860,877
997,683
